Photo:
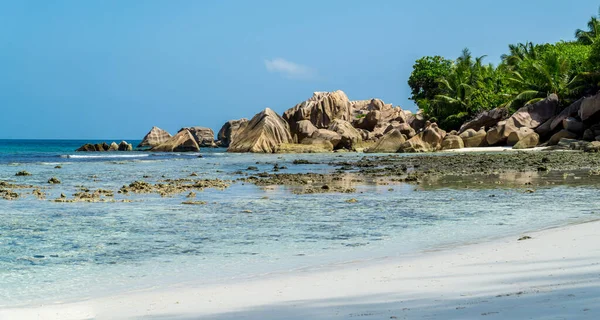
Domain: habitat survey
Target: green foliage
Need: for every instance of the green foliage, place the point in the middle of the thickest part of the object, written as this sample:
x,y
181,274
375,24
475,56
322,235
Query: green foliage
x,y
589,36
454,91
423,80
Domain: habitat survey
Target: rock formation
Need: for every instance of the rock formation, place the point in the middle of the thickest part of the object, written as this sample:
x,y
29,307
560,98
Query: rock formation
x,y
472,138
530,116
155,137
263,134
321,109
486,119
205,137
389,143
183,141
350,137
452,142
230,130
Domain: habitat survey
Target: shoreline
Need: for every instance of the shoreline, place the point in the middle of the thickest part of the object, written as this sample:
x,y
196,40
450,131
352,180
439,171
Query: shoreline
x,y
521,278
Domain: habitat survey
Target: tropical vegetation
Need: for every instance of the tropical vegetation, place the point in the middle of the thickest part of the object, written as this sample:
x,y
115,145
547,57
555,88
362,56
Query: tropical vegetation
x,y
453,91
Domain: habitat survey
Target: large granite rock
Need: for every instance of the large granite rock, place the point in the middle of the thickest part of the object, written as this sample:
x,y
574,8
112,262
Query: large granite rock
x,y
430,139
389,143
517,135
591,133
350,137
570,111
573,125
205,137
230,130
183,141
588,112
529,141
563,134
321,109
113,147
433,136
404,128
124,146
88,147
452,142
323,134
155,137
301,130
263,134
530,116
472,138
487,119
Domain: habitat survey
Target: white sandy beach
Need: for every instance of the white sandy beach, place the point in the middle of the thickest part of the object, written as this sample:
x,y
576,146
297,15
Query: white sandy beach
x,y
554,275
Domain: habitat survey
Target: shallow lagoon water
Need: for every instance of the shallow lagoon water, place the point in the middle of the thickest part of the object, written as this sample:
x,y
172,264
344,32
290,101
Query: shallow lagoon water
x,y
51,252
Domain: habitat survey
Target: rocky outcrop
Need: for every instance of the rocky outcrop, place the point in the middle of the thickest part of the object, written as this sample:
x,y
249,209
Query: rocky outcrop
x,y
573,125
205,137
124,146
323,134
590,106
472,138
570,111
433,136
350,137
155,137
563,134
517,135
530,116
389,143
321,109
263,134
404,128
88,147
183,141
301,130
230,130
103,147
429,140
529,141
452,142
486,119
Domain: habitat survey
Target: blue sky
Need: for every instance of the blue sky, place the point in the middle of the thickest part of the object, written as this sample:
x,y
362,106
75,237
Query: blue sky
x,y
113,69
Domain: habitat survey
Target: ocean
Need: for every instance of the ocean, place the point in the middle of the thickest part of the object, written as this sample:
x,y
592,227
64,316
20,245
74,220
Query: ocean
x,y
55,252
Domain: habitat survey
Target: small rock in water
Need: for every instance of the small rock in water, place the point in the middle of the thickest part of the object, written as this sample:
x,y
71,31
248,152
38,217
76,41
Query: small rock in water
x,y
53,180
39,256
524,238
191,195
252,168
352,200
58,167
22,173
193,174
247,211
194,202
529,191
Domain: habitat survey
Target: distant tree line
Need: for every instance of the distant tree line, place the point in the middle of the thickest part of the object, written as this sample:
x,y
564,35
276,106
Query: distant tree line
x,y
451,92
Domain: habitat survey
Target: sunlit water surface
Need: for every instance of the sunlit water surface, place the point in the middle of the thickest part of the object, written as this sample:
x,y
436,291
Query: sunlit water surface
x,y
51,252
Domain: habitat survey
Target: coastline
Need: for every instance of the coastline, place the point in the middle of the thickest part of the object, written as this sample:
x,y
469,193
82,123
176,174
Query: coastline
x,y
555,274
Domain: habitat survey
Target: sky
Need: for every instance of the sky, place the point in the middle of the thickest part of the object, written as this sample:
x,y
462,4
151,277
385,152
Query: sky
x,y
113,69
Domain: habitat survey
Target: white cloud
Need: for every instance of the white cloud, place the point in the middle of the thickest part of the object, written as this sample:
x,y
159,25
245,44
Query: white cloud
x,y
289,69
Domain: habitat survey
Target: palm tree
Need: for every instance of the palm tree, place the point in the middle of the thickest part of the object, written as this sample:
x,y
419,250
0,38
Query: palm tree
x,y
540,78
589,37
518,53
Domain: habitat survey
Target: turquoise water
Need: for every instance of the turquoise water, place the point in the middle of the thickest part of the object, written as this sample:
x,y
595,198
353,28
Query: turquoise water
x,y
52,252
